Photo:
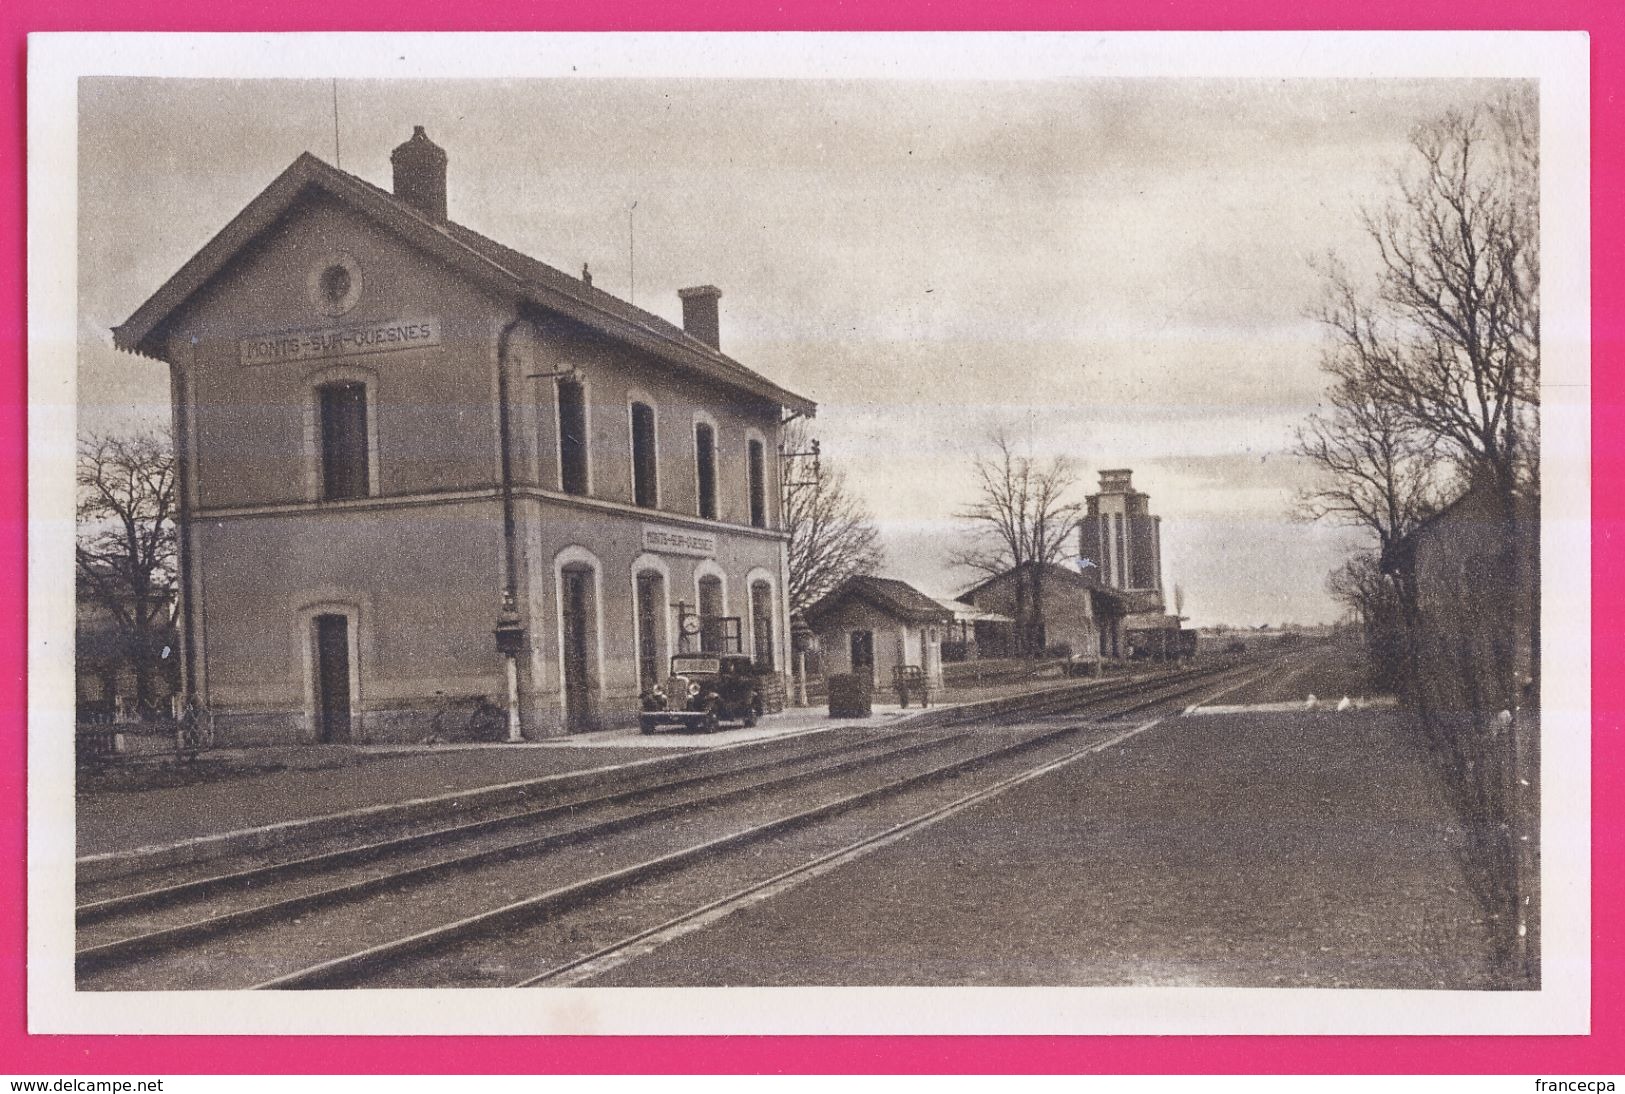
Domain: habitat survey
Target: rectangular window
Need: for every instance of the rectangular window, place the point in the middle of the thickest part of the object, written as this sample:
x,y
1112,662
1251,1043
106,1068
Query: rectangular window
x,y
705,464
758,485
645,491
344,441
1121,561
572,437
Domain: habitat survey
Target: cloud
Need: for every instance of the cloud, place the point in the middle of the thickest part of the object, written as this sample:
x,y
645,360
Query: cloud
x,y
1118,268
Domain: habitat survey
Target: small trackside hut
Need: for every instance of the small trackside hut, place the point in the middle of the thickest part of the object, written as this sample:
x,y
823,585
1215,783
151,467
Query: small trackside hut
x,y
872,626
419,468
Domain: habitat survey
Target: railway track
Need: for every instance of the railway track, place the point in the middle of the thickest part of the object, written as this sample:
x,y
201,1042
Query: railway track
x,y
458,903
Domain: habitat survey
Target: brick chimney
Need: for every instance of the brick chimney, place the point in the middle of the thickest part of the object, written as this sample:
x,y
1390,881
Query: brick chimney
x,y
700,313
420,174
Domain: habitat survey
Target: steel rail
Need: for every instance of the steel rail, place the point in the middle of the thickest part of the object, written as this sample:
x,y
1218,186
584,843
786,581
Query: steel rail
x,y
97,911
1067,699
722,905
851,850
1159,700
140,946
818,865
337,971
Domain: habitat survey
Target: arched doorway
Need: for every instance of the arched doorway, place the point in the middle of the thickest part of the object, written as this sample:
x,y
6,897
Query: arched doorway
x,y
651,612
578,610
711,613
761,624
330,634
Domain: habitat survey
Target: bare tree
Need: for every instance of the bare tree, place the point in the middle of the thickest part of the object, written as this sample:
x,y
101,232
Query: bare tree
x,y
1435,360
1449,333
1022,520
1373,599
1376,468
125,554
832,534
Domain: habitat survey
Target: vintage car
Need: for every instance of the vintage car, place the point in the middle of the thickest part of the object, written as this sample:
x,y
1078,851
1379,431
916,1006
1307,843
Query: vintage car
x,y
704,690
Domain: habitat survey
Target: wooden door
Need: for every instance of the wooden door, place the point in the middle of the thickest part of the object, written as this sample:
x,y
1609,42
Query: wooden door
x,y
712,635
863,654
332,678
577,634
651,613
761,623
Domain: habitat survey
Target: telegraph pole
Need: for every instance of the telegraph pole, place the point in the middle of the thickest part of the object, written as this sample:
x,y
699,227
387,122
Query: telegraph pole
x,y
337,162
632,254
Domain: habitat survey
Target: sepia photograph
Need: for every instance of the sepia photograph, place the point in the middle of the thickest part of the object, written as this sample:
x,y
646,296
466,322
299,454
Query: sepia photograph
x,y
1009,513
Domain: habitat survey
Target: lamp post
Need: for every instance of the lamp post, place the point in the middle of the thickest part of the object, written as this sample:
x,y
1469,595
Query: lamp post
x,y
800,637
510,628
510,635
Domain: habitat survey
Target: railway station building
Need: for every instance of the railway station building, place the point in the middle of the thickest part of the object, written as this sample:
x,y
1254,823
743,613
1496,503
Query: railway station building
x,y
418,468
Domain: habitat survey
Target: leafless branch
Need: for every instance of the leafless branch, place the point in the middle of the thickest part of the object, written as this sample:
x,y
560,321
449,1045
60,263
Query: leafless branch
x,y
832,534
125,551
1022,520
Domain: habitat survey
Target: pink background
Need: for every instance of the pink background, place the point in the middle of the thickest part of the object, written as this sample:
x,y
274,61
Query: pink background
x,y
1600,1053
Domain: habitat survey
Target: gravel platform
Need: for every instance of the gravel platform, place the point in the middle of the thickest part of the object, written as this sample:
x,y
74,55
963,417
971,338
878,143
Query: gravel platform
x,y
1252,850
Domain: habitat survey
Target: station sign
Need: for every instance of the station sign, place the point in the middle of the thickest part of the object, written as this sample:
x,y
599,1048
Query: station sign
x,y
318,345
666,540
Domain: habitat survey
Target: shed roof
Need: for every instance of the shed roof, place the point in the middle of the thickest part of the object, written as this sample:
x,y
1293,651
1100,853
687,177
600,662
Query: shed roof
x,y
966,613
484,260
895,598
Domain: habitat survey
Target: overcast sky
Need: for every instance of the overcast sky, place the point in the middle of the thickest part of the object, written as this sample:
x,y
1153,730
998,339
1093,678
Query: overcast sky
x,y
1118,270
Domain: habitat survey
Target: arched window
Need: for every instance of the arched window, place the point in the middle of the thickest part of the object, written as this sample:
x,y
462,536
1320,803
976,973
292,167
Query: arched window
x,y
705,468
645,461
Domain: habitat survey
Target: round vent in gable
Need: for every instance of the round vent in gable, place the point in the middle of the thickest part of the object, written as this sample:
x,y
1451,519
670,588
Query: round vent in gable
x,y
334,284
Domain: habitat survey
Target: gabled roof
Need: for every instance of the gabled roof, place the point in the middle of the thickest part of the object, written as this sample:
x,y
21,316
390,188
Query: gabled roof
x,y
896,598
1115,599
1051,569
499,268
